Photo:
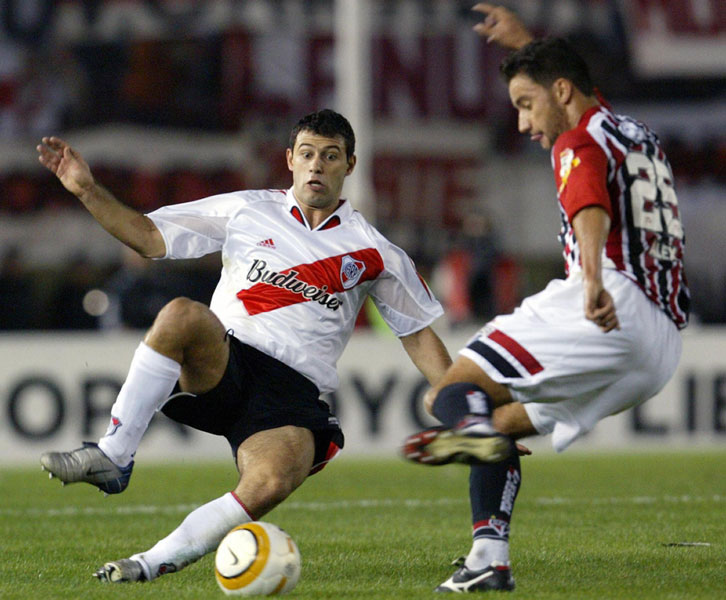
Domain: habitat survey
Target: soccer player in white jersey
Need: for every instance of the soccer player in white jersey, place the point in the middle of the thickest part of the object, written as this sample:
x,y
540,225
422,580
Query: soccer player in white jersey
x,y
297,266
601,341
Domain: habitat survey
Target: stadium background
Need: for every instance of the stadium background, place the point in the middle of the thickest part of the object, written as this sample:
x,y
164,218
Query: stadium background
x,y
172,100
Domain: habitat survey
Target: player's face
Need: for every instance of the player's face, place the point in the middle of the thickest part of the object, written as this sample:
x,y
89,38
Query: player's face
x,y
319,166
540,114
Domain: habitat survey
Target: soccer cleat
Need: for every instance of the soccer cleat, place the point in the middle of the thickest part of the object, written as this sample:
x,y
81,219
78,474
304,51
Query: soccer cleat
x,y
496,577
440,446
88,464
121,571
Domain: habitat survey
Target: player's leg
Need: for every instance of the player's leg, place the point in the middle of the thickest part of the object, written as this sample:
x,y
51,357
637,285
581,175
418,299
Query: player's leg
x,y
279,431
493,489
186,343
464,401
479,413
465,370
272,464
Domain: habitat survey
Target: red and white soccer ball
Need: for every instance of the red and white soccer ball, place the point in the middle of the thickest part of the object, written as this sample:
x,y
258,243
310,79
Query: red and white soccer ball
x,y
257,559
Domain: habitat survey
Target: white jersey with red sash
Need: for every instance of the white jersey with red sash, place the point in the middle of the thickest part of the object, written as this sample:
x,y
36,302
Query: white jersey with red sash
x,y
292,292
616,162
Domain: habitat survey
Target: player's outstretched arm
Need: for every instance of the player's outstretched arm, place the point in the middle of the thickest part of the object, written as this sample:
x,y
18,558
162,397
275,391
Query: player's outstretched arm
x,y
502,26
428,353
129,226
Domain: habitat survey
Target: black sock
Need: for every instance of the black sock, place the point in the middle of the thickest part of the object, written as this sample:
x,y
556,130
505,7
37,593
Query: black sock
x,y
458,400
493,488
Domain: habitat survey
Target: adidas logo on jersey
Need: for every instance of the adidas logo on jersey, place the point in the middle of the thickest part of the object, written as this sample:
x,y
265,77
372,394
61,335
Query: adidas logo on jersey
x,y
268,243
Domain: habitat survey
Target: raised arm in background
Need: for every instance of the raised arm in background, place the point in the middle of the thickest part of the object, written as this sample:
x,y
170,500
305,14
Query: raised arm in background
x,y
502,26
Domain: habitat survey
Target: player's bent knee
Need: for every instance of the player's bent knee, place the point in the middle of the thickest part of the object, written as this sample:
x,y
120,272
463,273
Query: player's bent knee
x,y
183,315
182,324
181,308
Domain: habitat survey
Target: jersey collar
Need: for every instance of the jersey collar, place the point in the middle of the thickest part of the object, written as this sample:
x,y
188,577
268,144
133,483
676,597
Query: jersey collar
x,y
589,112
341,213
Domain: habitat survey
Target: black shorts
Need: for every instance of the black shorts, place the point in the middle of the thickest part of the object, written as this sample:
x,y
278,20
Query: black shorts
x,y
258,392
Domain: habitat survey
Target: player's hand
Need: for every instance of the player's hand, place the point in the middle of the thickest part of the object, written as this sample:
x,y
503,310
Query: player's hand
x,y
66,164
501,26
600,307
522,450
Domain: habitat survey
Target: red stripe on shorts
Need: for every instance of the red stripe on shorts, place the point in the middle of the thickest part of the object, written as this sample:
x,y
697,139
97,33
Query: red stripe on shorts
x,y
332,452
528,361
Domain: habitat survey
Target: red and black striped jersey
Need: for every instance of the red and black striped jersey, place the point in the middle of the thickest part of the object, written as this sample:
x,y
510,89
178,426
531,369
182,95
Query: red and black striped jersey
x,y
616,162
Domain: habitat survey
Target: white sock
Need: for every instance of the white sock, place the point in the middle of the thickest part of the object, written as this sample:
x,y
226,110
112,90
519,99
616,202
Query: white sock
x,y
485,551
151,379
199,533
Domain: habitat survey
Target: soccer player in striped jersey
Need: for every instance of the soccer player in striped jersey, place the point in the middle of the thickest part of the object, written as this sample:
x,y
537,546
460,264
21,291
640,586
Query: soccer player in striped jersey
x,y
602,340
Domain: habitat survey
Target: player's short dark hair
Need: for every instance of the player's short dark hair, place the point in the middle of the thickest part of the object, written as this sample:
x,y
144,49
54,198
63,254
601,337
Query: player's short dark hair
x,y
328,123
545,60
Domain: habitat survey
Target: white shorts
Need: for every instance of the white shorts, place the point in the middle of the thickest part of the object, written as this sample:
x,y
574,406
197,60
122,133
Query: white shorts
x,y
564,369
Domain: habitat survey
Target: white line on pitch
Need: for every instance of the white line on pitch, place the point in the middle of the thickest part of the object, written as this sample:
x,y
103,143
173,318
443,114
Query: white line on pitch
x,y
150,509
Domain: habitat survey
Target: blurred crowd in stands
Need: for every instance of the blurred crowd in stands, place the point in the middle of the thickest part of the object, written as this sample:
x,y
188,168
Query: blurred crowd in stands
x,y
83,295
51,84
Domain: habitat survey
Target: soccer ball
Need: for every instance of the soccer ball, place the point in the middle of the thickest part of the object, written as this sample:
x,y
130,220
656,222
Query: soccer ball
x,y
257,559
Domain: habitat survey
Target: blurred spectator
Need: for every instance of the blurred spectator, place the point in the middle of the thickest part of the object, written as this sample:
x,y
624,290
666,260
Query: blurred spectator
x,y
468,276
69,307
17,304
481,243
41,89
135,293
450,282
11,62
148,87
475,279
138,290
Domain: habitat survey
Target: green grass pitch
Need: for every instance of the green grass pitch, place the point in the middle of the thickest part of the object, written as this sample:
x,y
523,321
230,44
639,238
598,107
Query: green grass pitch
x,y
586,526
